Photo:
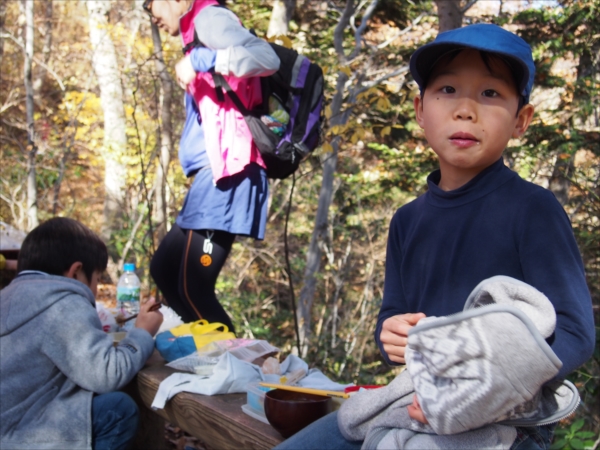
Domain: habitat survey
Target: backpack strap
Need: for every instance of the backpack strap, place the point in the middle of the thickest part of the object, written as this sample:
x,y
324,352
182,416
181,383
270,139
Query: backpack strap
x,y
220,84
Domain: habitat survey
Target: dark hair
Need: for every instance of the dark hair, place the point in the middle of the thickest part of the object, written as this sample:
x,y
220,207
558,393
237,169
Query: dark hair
x,y
56,244
487,57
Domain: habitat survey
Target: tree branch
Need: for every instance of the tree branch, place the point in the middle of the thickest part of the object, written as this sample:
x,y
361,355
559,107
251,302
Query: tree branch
x,y
465,8
401,32
338,34
363,24
400,71
36,60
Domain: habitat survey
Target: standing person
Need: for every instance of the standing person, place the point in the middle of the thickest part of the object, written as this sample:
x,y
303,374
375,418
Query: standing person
x,y
479,219
59,371
228,196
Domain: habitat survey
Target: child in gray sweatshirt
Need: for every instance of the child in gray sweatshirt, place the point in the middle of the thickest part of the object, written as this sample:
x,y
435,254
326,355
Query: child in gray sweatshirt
x,y
59,369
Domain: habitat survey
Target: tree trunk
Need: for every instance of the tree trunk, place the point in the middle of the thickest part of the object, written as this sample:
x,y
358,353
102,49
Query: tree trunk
x,y
166,135
32,221
47,34
329,161
2,19
564,167
283,11
104,61
450,15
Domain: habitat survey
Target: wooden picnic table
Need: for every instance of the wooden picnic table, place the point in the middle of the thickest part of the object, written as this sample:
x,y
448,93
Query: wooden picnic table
x,y
216,420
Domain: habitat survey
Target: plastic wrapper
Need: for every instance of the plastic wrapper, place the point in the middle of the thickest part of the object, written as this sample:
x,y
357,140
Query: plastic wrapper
x,y
244,349
271,366
107,318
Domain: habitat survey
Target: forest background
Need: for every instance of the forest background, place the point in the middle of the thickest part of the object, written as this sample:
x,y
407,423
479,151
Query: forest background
x,y
90,118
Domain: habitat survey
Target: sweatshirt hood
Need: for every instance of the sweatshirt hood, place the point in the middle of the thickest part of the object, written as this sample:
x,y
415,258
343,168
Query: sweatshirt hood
x,y
30,294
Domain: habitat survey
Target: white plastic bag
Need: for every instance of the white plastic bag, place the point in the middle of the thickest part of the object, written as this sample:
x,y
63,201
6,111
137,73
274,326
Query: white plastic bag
x,y
107,318
170,319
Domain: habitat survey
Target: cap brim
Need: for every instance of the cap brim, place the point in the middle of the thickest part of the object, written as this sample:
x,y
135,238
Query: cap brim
x,y
425,58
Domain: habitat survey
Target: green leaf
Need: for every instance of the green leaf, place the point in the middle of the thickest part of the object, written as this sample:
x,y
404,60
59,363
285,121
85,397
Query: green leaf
x,y
558,444
585,434
577,444
577,425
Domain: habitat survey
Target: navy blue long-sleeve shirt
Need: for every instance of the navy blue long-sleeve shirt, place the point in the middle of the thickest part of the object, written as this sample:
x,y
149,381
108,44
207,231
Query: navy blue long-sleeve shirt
x,y
442,244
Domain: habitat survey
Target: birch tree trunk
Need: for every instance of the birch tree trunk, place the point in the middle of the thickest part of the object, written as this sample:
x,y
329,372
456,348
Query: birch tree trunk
x,y
166,135
104,61
32,219
283,11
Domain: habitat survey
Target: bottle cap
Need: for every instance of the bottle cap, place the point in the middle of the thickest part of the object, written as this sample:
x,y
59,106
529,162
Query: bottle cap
x,y
129,267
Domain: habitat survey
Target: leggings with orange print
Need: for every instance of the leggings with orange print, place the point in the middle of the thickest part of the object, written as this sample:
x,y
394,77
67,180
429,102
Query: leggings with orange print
x,y
185,268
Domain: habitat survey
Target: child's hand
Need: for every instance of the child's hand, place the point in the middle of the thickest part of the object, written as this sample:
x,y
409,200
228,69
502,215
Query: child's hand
x,y
185,72
415,412
147,319
394,334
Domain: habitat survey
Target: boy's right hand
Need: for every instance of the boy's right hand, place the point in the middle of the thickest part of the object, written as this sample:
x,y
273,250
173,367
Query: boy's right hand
x,y
185,72
149,320
394,335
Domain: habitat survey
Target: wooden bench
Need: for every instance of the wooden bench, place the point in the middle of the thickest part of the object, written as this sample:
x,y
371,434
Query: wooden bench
x,y
216,420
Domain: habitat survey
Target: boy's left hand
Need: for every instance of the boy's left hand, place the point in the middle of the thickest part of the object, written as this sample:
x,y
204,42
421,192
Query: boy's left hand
x,y
415,412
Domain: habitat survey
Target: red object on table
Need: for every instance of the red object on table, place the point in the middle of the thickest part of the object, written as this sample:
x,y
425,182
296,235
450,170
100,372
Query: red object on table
x,y
364,386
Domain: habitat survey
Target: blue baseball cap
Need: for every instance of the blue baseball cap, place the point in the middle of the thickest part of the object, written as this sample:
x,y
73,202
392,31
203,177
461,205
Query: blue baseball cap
x,y
482,36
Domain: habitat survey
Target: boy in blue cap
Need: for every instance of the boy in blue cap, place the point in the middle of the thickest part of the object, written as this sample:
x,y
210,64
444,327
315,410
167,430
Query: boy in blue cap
x,y
478,219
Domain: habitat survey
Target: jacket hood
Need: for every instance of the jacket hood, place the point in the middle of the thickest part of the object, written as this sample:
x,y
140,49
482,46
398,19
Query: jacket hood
x,y
490,362
30,294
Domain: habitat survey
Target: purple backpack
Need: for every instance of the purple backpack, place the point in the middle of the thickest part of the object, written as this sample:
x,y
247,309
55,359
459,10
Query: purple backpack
x,y
287,125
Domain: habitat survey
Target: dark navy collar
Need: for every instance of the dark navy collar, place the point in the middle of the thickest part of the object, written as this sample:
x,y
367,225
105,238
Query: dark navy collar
x,y
485,182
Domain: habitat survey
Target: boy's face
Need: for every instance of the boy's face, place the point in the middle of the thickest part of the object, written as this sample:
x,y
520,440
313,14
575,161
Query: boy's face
x,y
166,14
469,113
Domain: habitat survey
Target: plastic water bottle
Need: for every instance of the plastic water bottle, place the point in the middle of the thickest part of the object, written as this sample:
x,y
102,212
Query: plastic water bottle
x,y
128,291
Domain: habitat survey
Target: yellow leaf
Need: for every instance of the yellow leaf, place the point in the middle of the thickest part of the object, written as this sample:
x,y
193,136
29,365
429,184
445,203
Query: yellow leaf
x,y
327,148
382,105
287,42
354,138
281,39
346,70
328,112
386,131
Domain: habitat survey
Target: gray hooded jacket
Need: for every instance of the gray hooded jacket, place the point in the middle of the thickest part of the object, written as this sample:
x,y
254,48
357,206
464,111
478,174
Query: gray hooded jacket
x,y
53,357
477,374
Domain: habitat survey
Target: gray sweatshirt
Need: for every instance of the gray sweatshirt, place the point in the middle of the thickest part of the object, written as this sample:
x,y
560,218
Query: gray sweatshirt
x,y
53,357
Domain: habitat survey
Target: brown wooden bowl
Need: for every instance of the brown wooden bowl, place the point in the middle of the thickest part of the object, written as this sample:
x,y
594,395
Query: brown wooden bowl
x,y
288,412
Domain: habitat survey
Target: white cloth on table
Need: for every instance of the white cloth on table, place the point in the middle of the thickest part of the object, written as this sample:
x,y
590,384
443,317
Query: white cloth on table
x,y
231,375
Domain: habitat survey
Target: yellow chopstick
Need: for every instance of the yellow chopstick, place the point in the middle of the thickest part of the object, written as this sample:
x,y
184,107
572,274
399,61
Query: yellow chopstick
x,y
286,387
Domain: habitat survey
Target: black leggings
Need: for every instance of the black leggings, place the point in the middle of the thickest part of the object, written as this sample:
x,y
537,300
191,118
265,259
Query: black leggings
x,y
185,268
